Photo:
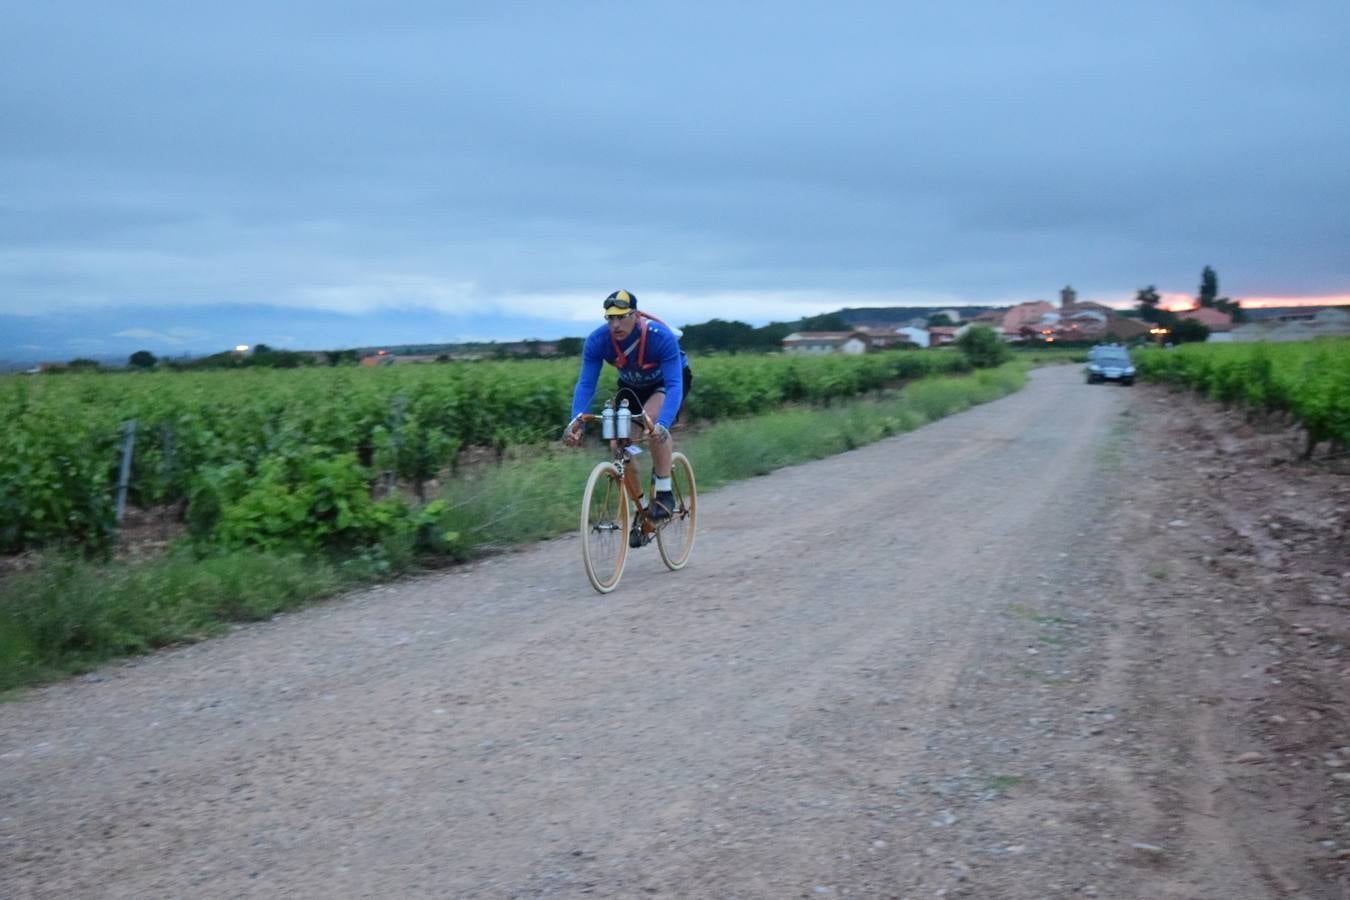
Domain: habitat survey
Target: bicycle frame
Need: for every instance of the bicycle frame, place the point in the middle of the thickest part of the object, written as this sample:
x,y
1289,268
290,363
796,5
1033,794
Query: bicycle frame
x,y
622,459
614,486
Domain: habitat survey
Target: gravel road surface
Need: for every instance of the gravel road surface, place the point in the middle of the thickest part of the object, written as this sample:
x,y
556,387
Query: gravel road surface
x,y
906,671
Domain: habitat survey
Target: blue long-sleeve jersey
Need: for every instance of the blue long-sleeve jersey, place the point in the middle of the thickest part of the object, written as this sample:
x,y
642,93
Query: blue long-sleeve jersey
x,y
663,349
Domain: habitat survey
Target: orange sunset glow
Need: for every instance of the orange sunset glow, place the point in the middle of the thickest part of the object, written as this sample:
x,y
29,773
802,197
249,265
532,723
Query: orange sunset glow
x,y
1176,301
1329,300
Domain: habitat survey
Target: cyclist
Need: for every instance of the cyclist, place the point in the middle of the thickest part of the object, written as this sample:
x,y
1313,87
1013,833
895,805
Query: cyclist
x,y
654,376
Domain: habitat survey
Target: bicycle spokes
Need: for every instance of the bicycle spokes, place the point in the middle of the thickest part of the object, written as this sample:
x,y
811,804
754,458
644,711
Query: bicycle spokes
x,y
604,527
675,536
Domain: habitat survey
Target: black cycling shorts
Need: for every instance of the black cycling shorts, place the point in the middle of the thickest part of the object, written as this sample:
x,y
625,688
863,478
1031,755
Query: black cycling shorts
x,y
638,396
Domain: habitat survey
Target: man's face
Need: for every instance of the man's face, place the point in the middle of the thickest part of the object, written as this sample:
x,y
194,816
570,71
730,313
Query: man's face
x,y
622,326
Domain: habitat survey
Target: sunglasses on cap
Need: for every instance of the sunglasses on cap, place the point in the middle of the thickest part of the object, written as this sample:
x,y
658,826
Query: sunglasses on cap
x,y
615,303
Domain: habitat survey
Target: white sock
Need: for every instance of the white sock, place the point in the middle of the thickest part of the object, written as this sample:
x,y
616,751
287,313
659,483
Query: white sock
x,y
662,484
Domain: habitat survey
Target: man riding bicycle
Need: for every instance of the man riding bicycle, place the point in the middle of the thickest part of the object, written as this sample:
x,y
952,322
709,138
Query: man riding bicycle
x,y
654,376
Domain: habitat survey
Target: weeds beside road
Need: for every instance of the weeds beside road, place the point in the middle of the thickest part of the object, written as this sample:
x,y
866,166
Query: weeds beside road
x,y
65,615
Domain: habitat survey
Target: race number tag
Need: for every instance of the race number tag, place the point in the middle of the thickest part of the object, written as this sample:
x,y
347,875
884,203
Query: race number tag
x,y
633,449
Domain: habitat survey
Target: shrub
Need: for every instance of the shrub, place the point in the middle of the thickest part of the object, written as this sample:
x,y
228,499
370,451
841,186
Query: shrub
x,y
983,347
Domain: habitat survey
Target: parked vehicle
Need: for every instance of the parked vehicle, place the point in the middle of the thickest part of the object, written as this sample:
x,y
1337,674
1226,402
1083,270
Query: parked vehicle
x,y
1110,363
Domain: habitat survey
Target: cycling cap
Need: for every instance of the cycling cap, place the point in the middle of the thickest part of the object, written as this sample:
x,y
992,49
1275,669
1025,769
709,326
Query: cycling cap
x,y
620,303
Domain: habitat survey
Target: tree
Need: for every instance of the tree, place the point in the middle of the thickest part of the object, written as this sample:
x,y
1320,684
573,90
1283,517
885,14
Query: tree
x,y
825,322
1189,331
940,320
1232,308
1150,309
1209,296
265,357
1209,287
770,337
341,357
718,335
142,359
569,346
983,347
1147,299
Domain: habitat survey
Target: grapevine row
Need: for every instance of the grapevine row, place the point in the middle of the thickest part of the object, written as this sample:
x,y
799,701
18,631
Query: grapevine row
x,y
275,458
1309,381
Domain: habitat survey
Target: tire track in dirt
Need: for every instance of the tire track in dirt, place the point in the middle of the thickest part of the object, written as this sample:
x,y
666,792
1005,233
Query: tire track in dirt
x,y
1186,807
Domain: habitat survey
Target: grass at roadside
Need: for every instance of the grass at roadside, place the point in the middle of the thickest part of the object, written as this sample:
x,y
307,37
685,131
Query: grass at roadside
x,y
1112,451
65,615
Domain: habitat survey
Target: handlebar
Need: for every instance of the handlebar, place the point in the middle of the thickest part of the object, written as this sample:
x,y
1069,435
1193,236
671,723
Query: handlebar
x,y
640,420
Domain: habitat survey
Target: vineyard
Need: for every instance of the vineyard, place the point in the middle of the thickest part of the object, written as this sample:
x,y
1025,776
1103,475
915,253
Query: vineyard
x,y
310,458
1308,381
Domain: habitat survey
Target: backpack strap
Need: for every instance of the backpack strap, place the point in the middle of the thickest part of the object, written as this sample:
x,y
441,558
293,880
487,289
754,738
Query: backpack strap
x,y
621,359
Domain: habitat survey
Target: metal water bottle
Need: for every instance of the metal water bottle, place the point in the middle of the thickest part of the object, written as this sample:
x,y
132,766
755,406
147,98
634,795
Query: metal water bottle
x,y
623,420
607,421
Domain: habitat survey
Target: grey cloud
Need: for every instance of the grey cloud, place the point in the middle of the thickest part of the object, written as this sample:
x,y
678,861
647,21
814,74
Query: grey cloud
x,y
986,149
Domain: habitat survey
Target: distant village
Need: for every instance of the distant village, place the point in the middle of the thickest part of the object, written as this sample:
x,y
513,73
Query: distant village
x,y
1073,322
1070,322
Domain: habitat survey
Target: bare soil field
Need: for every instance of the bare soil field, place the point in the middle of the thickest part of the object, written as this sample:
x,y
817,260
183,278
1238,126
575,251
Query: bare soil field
x,y
1080,642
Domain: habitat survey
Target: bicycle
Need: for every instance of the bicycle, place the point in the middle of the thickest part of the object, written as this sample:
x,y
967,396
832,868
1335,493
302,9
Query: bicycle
x,y
612,510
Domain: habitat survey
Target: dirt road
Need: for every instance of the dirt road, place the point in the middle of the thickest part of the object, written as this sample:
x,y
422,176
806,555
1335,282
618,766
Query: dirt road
x,y
940,665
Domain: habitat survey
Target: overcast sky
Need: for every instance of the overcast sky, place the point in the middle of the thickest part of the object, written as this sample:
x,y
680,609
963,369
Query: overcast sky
x,y
182,177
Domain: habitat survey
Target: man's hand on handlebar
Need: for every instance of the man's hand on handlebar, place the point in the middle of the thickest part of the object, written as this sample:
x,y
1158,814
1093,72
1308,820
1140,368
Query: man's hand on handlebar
x,y
572,433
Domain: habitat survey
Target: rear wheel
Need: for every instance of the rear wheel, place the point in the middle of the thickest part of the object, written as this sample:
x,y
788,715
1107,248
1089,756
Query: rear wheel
x,y
604,527
675,537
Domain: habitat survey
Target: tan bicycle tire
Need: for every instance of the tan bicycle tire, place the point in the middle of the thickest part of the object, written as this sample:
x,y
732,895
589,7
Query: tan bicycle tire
x,y
604,527
675,537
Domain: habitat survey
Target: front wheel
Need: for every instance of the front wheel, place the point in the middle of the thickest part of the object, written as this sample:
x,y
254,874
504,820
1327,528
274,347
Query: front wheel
x,y
675,537
604,527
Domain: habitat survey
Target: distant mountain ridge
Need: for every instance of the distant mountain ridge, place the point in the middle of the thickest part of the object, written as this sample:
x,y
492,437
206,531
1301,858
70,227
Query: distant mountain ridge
x,y
887,315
